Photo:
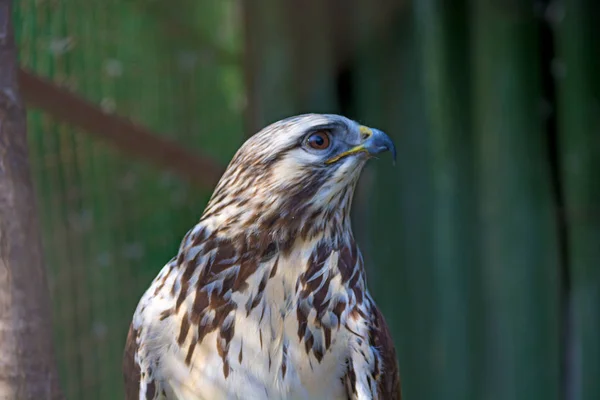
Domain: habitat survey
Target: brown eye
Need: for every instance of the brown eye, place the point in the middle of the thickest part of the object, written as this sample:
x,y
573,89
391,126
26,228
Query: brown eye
x,y
318,140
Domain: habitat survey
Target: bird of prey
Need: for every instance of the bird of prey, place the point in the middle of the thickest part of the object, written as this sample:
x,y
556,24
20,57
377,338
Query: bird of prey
x,y
266,297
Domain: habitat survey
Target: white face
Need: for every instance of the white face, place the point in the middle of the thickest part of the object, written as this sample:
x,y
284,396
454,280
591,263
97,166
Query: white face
x,y
298,147
293,169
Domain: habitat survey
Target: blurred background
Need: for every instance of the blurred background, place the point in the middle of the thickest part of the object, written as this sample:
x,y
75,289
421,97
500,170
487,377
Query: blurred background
x,y
482,244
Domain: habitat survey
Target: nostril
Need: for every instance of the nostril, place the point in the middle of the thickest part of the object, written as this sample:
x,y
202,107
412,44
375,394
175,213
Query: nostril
x,y
365,132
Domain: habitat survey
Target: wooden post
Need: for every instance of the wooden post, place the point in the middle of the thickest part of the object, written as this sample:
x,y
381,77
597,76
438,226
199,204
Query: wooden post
x,y
27,365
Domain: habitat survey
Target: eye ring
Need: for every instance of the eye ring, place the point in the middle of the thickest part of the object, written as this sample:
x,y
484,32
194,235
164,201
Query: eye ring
x,y
319,140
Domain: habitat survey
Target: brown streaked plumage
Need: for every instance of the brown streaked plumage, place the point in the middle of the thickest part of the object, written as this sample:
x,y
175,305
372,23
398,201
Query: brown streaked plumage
x,y
267,296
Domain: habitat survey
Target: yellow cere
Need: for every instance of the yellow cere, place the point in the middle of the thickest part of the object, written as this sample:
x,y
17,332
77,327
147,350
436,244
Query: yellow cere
x,y
365,133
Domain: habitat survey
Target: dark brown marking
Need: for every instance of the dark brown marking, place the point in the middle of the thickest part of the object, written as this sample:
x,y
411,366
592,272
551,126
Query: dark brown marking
x,y
284,362
268,222
327,335
357,312
199,237
338,309
199,306
376,370
226,368
250,305
263,284
318,352
163,280
351,377
247,268
309,341
165,314
226,334
358,293
219,207
351,331
262,314
242,203
224,258
269,252
274,269
242,287
253,302
310,220
240,355
346,263
354,280
188,357
150,390
183,331
319,298
190,267
228,282
302,322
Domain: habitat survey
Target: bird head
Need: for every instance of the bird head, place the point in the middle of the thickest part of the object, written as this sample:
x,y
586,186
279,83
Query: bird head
x,y
295,177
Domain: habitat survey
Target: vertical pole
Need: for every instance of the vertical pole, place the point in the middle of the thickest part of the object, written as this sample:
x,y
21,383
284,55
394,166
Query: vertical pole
x,y
577,29
519,238
27,365
442,32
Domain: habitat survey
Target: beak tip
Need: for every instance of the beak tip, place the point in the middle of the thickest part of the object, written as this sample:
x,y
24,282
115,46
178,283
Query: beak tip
x,y
378,143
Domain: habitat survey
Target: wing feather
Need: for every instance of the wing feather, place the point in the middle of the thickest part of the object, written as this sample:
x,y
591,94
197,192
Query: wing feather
x,y
389,381
131,370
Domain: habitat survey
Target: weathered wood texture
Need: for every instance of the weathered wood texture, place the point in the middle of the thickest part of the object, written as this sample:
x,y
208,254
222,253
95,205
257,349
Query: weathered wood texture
x,y
27,365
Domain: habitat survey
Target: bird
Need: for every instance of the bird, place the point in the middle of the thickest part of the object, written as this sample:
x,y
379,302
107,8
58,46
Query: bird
x,y
266,297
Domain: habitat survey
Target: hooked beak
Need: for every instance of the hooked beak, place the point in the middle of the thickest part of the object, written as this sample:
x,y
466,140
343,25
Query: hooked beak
x,y
374,142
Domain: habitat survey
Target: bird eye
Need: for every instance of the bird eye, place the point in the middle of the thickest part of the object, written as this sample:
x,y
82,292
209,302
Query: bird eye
x,y
318,140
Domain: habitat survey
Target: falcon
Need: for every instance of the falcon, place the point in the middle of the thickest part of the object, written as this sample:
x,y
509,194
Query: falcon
x,y
266,297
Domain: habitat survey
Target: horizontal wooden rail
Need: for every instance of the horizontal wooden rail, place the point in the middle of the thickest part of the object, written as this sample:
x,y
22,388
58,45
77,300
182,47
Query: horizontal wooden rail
x,y
130,138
